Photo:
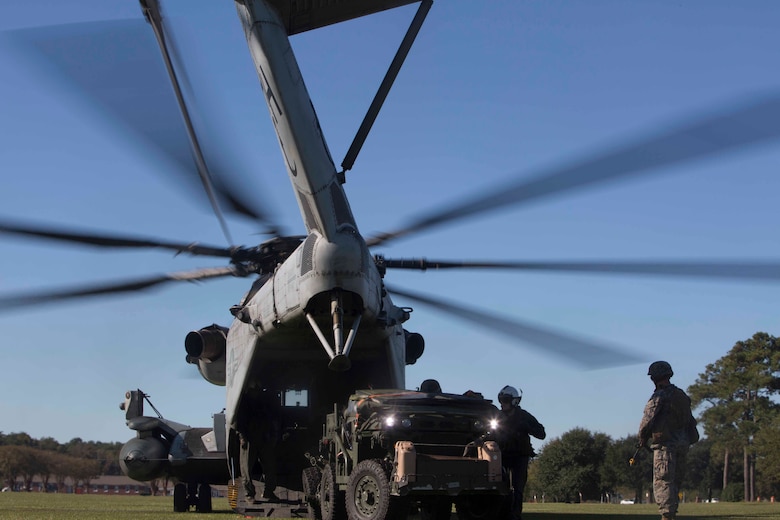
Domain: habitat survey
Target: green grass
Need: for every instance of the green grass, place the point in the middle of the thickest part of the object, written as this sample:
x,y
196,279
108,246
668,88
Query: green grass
x,y
721,511
43,506
53,506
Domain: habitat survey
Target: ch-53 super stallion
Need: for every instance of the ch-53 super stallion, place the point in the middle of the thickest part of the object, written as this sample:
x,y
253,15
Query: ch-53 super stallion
x,y
318,322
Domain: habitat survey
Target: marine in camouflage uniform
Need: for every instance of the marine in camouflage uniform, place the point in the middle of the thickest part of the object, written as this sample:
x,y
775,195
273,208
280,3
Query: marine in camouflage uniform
x,y
668,428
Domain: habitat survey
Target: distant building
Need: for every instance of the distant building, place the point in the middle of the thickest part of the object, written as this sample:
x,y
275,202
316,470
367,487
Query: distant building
x,y
104,484
110,485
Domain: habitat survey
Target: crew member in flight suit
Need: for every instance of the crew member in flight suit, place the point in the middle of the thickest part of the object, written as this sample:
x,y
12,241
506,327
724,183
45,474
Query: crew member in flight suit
x,y
258,433
514,438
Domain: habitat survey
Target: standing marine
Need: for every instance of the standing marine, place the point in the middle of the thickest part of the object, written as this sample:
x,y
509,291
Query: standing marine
x,y
514,438
258,434
668,428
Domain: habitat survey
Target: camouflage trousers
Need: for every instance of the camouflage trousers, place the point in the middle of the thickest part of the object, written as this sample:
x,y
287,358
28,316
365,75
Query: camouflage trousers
x,y
668,471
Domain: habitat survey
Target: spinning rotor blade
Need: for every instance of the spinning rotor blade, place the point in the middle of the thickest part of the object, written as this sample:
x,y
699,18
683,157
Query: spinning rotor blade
x,y
584,353
151,10
15,301
113,240
748,124
115,67
704,269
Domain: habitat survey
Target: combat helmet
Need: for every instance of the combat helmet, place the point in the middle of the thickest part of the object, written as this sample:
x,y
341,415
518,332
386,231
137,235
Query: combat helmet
x,y
660,370
511,393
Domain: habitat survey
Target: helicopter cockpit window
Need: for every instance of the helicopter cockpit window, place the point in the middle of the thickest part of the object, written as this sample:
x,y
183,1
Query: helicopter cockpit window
x,y
295,398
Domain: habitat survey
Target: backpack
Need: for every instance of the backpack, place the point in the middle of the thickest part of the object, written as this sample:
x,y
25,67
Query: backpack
x,y
692,431
675,422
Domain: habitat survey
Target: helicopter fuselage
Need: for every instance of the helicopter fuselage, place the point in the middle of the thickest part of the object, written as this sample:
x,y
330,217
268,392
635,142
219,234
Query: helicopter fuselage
x,y
325,305
318,322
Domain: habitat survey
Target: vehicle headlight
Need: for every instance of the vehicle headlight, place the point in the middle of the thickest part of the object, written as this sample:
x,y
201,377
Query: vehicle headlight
x,y
390,421
479,425
493,423
406,422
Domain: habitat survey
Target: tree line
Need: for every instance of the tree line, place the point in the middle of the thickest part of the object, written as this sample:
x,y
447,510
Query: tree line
x,y
738,458
23,458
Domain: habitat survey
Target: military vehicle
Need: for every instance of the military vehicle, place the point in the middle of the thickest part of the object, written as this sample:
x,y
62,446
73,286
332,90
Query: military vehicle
x,y
388,450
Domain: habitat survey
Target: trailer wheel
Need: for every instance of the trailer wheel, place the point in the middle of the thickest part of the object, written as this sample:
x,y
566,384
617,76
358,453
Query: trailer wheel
x,y
331,499
478,507
311,482
439,508
180,503
368,494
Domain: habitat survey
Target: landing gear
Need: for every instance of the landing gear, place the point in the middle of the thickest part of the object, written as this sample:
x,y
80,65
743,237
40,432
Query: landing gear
x,y
204,499
186,495
180,502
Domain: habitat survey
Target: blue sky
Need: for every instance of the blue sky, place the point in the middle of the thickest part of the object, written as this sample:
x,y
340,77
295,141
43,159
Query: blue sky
x,y
491,92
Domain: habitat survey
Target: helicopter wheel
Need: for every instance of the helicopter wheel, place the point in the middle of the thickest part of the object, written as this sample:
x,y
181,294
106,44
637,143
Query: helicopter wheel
x,y
180,504
204,499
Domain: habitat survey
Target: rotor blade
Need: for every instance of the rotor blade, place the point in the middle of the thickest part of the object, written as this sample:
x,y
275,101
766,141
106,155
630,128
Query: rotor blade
x,y
728,130
115,67
15,301
98,240
153,14
581,352
752,270
212,185
235,198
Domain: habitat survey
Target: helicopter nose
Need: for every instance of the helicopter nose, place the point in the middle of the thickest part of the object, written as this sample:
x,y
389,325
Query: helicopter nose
x,y
143,459
135,458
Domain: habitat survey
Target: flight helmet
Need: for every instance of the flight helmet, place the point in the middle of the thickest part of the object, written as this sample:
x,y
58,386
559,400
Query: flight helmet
x,y
510,393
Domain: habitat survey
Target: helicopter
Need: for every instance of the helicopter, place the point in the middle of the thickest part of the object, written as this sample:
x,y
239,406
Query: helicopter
x,y
319,318
162,448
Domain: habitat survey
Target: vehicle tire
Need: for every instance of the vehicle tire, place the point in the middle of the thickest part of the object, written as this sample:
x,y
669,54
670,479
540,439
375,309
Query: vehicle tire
x,y
478,507
311,482
180,504
331,499
439,508
368,494
204,499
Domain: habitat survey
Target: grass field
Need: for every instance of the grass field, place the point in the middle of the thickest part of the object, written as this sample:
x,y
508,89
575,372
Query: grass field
x,y
42,506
